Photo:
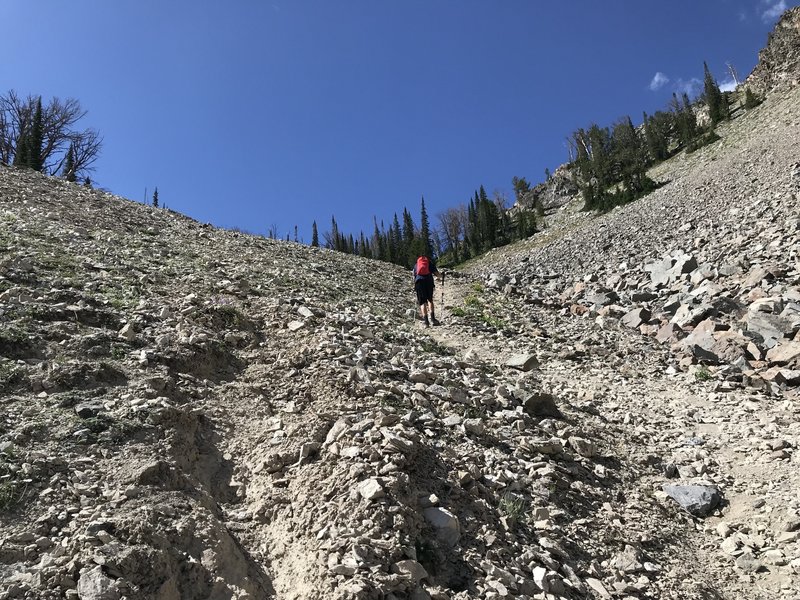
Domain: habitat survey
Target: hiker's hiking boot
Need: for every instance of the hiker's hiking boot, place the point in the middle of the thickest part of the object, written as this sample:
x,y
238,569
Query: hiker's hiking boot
x,y
435,321
427,324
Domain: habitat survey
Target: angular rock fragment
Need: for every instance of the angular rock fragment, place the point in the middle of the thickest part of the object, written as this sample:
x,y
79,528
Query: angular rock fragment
x,y
523,362
698,500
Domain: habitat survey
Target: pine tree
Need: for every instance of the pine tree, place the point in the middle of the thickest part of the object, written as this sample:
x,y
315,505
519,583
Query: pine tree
x,y
396,251
155,198
656,133
689,117
716,101
685,120
522,187
750,99
69,166
426,246
314,235
21,152
409,231
36,139
335,241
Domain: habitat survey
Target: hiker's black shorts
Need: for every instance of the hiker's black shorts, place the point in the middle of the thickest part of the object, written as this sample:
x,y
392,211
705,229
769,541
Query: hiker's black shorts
x,y
424,288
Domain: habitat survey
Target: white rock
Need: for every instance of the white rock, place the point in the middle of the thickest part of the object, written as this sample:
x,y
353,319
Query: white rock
x,y
371,489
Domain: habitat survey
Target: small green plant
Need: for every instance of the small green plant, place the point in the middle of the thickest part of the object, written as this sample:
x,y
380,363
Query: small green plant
x,y
434,347
493,321
474,412
393,401
472,301
704,140
118,351
703,374
477,287
513,506
457,311
10,495
750,99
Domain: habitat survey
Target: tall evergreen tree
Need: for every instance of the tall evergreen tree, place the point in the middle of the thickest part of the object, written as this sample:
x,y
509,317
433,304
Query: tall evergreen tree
x,y
396,248
521,186
314,235
21,158
155,197
426,246
685,120
409,232
335,243
715,99
656,136
69,165
750,99
36,139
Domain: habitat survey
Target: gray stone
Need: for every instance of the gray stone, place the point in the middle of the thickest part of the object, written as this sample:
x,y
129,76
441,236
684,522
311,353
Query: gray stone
x,y
584,447
410,569
748,563
127,332
603,298
542,405
93,584
636,317
446,524
523,362
698,500
87,410
768,328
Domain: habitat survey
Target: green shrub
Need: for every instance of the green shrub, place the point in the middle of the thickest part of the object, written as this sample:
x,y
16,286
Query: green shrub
x,y
703,140
703,374
513,506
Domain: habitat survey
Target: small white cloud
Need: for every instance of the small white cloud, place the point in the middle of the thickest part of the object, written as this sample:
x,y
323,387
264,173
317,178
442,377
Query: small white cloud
x,y
728,85
659,80
690,87
773,10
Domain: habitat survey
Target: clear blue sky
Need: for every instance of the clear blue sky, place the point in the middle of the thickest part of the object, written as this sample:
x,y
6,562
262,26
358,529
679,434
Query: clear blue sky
x,y
253,113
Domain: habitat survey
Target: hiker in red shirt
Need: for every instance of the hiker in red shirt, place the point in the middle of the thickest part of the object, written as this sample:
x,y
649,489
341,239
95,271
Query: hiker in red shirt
x,y
424,270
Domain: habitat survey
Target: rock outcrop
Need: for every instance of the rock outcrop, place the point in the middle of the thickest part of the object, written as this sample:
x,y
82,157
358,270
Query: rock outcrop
x,y
779,61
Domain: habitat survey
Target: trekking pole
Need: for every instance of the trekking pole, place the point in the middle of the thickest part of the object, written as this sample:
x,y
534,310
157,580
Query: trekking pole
x,y
442,290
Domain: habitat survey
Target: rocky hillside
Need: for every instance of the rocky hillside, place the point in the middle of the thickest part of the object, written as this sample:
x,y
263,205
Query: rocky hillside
x,y
779,61
195,413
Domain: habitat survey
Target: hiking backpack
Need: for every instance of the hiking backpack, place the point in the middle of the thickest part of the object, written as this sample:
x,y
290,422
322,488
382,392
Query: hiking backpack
x,y
423,266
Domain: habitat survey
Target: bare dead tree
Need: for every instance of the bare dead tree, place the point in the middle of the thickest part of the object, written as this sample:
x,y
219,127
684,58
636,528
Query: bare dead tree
x,y
452,228
59,131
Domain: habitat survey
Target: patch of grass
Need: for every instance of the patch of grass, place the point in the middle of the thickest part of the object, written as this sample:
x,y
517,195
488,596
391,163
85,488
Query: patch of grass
x,y
474,412
492,321
513,506
477,287
58,262
472,301
434,347
393,401
703,374
11,494
457,311
118,351
704,140
121,298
